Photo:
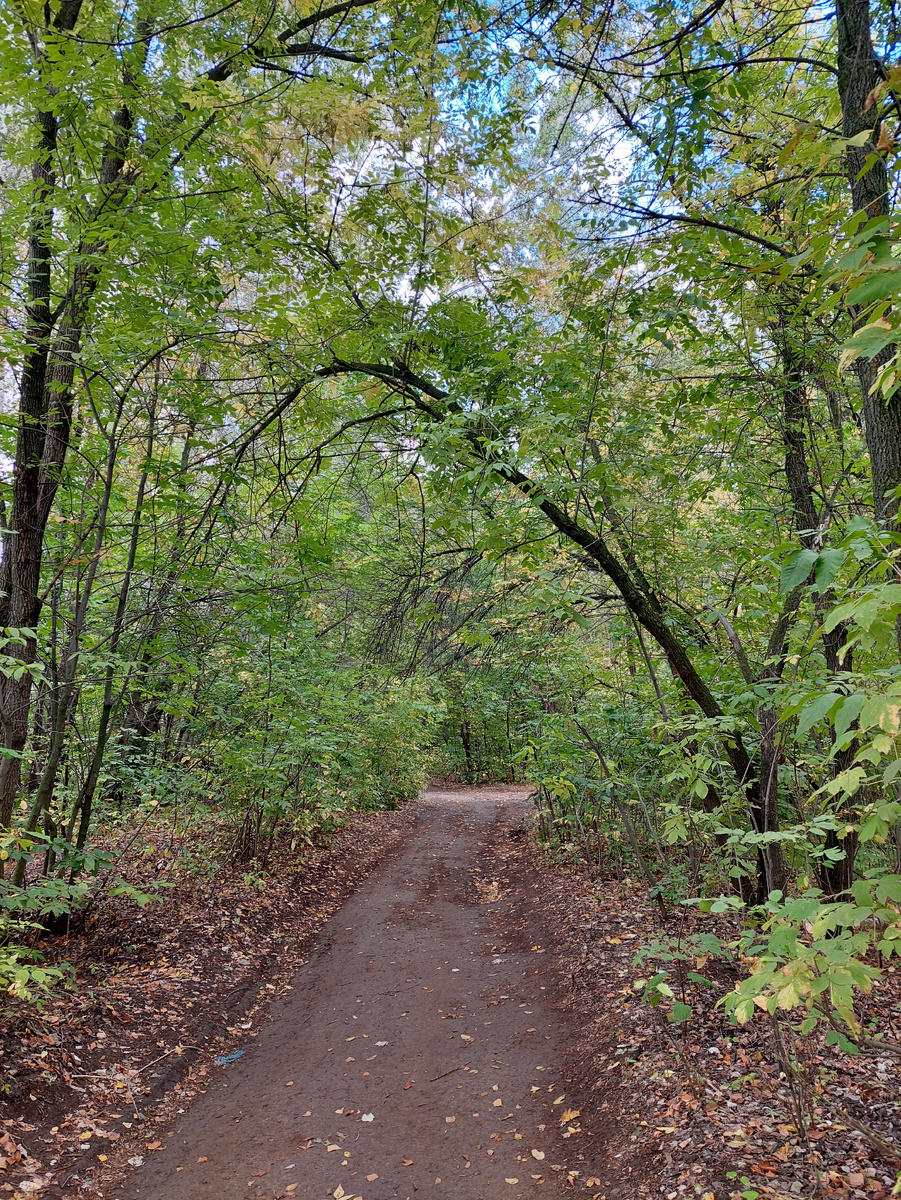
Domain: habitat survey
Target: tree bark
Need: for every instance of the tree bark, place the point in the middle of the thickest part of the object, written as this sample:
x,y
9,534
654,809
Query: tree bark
x,y
45,406
859,72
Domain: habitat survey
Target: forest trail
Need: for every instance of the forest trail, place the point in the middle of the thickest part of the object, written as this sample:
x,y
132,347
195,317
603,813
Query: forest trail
x,y
420,1039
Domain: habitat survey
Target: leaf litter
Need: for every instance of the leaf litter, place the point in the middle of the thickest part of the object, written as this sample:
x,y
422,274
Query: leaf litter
x,y
707,1110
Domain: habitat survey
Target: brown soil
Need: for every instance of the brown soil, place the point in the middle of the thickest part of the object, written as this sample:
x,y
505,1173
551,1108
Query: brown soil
x,y
444,931
422,1048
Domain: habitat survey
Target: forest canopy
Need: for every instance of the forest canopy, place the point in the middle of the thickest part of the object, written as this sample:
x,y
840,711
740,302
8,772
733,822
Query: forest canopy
x,y
499,391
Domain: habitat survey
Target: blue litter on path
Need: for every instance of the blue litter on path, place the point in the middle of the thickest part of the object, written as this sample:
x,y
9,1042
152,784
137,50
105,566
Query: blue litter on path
x,y
224,1059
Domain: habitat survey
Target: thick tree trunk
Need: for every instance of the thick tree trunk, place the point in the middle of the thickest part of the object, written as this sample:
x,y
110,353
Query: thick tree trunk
x,y
859,72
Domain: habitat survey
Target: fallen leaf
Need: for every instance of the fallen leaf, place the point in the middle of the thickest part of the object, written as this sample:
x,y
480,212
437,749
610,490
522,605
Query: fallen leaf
x,y
368,1117
203,1159
371,1178
539,1154
449,1120
407,1162
570,1115
290,1083
332,1147
511,1181
497,1103
290,1189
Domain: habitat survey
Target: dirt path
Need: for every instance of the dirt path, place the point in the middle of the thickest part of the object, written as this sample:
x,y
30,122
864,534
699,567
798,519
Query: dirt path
x,y
420,1049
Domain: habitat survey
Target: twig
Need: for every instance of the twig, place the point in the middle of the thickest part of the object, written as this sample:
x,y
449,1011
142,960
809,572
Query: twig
x,y
882,1143
450,1072
166,1055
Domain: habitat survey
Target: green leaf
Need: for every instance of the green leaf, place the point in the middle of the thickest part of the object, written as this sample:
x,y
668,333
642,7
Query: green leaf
x,y
796,568
847,712
835,1038
829,563
880,286
817,710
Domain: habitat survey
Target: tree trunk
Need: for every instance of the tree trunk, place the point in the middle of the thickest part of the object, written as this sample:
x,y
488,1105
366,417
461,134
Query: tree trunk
x,y
46,397
466,739
859,72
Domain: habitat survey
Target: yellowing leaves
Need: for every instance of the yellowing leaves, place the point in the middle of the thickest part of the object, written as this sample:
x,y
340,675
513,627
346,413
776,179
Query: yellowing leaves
x,y
570,1115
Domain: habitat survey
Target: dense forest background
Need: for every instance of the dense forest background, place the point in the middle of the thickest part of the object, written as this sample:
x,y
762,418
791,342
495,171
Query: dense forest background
x,y
500,391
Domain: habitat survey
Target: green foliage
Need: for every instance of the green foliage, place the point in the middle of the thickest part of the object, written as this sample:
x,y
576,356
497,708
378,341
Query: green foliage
x,y
811,954
373,472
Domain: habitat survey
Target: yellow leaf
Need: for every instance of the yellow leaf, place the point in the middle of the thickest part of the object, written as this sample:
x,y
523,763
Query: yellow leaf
x,y
570,1115
512,1181
539,1154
